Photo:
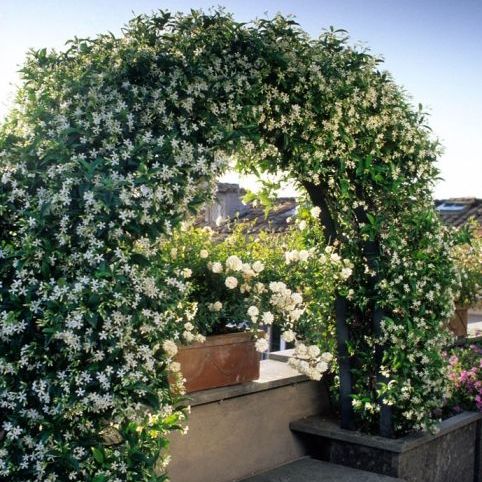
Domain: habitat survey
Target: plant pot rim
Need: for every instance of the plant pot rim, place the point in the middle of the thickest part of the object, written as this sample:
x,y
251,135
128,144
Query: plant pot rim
x,y
217,340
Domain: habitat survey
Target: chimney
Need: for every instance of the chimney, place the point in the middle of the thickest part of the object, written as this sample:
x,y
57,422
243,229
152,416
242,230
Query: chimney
x,y
227,203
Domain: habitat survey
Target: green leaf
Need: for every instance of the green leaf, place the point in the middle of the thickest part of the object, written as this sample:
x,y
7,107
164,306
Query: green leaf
x,y
98,455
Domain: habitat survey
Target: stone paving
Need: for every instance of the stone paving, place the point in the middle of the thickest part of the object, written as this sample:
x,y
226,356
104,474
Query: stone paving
x,y
311,470
474,327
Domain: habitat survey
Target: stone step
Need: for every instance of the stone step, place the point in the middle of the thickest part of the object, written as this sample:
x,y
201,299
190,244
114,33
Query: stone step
x,y
312,470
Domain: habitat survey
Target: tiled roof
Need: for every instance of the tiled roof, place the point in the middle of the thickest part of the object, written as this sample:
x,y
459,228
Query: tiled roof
x,y
454,211
255,217
275,221
457,211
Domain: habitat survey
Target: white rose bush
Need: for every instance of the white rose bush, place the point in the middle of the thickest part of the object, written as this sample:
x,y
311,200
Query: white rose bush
x,y
113,142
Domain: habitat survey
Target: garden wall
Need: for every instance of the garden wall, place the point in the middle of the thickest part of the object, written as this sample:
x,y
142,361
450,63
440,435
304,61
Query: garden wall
x,y
241,430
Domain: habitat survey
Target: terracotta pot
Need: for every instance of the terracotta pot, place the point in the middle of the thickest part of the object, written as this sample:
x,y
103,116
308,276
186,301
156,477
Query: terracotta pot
x,y
458,323
220,361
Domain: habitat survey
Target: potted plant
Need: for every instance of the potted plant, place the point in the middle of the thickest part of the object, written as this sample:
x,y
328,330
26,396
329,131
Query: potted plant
x,y
235,285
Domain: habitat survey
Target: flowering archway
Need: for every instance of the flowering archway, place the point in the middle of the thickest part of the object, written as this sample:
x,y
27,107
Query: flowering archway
x,y
113,142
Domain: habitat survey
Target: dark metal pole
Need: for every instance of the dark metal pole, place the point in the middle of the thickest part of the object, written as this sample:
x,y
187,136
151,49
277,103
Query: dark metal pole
x,y
371,250
344,362
316,193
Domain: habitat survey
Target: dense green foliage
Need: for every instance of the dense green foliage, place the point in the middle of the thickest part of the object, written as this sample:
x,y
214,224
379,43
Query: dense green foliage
x,y
112,143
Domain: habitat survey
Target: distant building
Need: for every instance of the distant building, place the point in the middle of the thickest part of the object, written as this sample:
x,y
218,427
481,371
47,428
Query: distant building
x,y
457,211
228,206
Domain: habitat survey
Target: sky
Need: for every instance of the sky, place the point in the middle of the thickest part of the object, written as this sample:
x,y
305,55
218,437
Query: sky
x,y
432,47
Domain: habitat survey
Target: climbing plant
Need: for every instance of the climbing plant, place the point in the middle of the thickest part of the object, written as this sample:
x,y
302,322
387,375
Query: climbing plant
x,y
112,142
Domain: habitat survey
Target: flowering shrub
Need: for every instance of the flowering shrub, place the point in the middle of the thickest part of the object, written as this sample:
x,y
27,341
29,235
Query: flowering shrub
x,y
112,143
252,282
468,261
465,373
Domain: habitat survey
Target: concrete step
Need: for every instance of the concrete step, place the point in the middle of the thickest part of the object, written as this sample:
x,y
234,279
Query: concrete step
x,y
311,470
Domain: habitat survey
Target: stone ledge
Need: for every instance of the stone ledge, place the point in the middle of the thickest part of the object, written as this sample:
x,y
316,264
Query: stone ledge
x,y
282,355
329,428
273,374
311,470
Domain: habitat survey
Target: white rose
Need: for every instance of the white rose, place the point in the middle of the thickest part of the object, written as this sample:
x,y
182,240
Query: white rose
x,y
175,367
173,253
304,255
346,273
335,257
297,298
303,366
258,266
204,253
187,273
253,311
322,366
231,282
301,350
261,344
169,347
302,225
188,326
295,315
288,336
234,263
314,374
188,336
291,256
268,318
315,211
327,357
217,306
217,267
313,351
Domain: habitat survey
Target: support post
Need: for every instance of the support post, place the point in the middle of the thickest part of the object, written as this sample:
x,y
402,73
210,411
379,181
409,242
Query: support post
x,y
317,197
346,387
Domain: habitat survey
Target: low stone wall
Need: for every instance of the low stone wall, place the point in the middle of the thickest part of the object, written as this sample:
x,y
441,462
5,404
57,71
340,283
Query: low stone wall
x,y
453,454
238,431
